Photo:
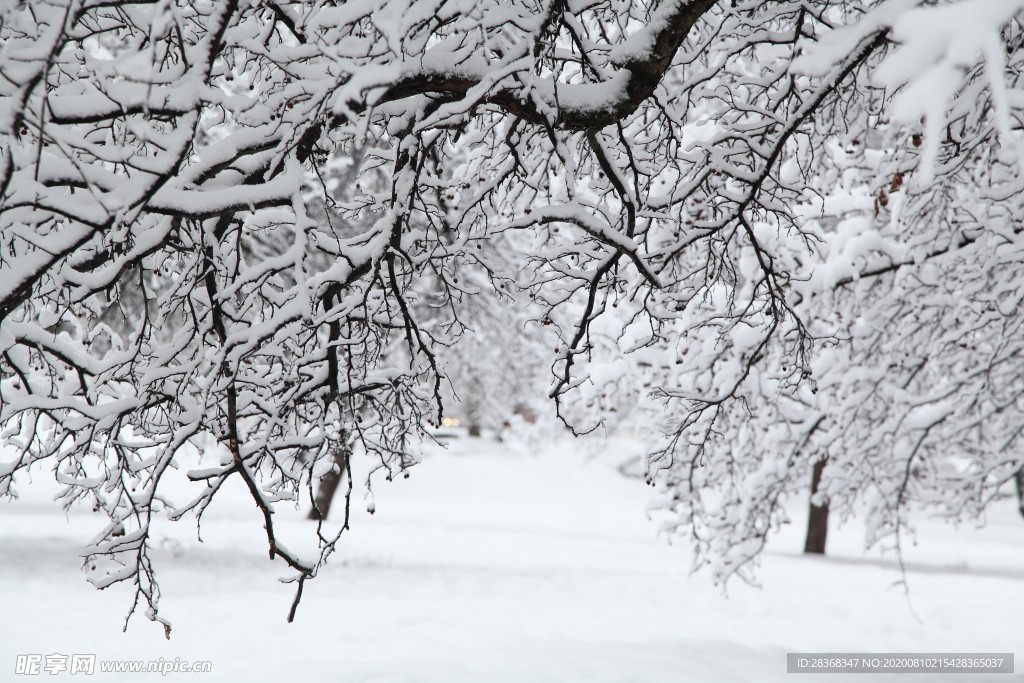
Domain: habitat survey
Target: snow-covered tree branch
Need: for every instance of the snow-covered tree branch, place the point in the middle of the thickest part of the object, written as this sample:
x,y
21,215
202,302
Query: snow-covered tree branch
x,y
263,230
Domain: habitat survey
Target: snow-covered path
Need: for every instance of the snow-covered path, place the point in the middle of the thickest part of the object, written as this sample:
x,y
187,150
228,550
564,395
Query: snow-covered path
x,y
491,566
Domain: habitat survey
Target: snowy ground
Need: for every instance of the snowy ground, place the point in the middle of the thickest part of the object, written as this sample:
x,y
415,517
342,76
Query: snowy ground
x,y
487,565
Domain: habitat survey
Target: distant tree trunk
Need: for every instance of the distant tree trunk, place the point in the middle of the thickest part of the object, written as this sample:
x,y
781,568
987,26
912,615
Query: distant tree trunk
x,y
1020,490
330,481
817,518
473,410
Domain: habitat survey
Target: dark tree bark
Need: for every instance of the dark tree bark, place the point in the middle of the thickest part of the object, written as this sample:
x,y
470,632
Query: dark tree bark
x,y
1019,477
817,518
329,482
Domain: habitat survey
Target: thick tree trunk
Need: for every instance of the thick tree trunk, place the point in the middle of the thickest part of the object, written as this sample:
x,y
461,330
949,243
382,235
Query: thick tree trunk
x,y
817,518
329,482
1020,490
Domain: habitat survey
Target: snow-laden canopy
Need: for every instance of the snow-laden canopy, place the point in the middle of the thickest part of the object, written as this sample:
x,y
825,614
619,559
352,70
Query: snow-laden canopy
x,y
786,230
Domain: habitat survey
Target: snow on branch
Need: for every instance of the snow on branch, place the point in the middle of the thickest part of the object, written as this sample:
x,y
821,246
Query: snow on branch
x,y
275,242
